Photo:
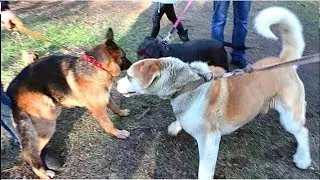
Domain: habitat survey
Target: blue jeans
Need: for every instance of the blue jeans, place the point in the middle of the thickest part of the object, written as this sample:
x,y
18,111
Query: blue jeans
x,y
6,116
241,11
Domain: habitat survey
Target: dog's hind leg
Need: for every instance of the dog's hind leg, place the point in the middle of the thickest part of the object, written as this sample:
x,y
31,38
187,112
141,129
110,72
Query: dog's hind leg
x,y
45,129
29,142
292,109
35,124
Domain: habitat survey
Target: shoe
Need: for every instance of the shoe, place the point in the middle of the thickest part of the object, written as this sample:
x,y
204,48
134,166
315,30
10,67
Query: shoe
x,y
240,63
51,160
184,36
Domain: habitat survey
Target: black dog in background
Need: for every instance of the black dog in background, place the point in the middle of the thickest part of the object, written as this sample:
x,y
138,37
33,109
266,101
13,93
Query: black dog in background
x,y
206,50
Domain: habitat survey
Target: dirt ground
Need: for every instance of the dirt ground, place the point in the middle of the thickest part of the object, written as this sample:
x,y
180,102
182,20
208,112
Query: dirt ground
x,y
260,149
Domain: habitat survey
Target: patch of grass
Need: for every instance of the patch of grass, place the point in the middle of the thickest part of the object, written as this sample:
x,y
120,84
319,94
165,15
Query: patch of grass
x,y
64,37
308,12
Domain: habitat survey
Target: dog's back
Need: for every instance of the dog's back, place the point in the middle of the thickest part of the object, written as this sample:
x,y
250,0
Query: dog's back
x,y
206,50
46,76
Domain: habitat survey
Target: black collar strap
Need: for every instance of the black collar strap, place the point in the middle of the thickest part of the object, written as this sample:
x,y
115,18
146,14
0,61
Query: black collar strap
x,y
205,77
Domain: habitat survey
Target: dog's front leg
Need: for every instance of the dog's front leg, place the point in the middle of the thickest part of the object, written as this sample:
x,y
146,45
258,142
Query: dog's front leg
x,y
114,108
208,145
102,117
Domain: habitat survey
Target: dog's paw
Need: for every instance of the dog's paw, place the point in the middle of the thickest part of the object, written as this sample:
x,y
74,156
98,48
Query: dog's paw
x,y
302,160
50,173
124,112
174,128
122,134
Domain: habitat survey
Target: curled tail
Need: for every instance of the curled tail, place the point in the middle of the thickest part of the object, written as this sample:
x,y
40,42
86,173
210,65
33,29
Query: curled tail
x,y
290,29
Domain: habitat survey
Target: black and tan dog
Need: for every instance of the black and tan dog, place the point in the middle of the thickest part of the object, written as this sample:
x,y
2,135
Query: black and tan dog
x,y
43,87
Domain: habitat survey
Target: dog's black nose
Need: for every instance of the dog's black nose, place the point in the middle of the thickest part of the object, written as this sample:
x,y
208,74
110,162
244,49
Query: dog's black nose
x,y
125,64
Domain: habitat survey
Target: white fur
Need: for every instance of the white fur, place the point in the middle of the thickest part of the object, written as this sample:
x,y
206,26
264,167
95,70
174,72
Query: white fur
x,y
50,173
302,156
227,129
191,119
208,145
199,66
289,25
174,128
286,119
125,86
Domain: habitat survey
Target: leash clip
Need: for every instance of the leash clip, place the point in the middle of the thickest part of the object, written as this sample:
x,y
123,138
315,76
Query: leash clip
x,y
248,69
208,76
167,38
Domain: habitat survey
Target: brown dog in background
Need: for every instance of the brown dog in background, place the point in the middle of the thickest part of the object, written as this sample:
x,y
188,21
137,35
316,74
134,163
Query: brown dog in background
x,y
43,87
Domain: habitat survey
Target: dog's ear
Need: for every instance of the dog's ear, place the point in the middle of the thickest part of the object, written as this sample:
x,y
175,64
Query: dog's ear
x,y
111,45
109,34
150,70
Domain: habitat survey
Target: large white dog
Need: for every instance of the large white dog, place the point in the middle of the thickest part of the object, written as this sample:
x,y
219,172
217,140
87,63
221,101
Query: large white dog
x,y
221,106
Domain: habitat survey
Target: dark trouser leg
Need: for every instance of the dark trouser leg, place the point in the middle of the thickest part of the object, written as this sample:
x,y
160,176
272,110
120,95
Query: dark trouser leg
x,y
173,18
241,12
183,34
156,18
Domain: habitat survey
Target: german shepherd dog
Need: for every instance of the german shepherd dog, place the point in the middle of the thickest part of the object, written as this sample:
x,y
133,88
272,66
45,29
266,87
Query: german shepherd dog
x,y
42,88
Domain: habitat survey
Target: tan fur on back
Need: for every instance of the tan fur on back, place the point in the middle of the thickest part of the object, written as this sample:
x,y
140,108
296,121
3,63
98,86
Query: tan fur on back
x,y
251,93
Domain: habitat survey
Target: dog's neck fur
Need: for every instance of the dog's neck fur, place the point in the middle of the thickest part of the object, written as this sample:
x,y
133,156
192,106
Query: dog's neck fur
x,y
181,103
87,70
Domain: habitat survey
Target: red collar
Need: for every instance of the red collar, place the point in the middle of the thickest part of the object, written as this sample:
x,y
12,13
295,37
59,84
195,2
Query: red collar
x,y
92,61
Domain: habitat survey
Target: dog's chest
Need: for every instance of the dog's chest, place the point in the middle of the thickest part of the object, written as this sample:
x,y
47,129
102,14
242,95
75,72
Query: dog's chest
x,y
190,111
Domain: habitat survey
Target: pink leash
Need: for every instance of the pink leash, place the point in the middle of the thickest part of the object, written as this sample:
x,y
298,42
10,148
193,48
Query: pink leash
x,y
167,39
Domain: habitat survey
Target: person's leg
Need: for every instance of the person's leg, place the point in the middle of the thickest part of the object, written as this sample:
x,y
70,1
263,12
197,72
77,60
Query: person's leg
x,y
156,18
219,17
6,116
8,128
183,34
241,14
